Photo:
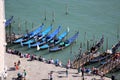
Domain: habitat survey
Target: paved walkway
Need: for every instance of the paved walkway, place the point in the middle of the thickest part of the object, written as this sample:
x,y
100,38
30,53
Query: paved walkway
x,y
39,70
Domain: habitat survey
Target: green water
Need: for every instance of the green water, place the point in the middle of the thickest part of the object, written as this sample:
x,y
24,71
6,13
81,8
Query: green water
x,y
95,17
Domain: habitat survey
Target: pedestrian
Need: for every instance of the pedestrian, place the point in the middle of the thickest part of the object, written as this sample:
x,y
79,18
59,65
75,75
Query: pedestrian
x,y
24,74
15,65
66,72
102,78
57,62
18,63
79,69
112,77
82,70
60,63
51,75
83,78
68,64
5,75
19,76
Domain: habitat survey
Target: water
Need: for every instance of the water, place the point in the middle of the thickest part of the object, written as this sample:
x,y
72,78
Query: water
x,y
95,17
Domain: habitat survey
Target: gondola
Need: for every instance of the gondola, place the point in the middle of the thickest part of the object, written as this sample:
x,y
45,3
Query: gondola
x,y
107,54
29,35
38,37
93,51
54,42
100,58
95,48
110,57
64,44
46,39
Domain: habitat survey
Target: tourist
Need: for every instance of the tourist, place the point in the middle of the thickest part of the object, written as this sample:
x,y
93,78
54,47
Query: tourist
x,y
60,63
68,64
101,75
51,75
88,71
40,58
32,57
28,55
18,63
5,75
79,69
95,71
43,59
52,61
82,70
19,76
24,74
102,78
9,51
15,66
112,77
48,61
57,62
21,55
66,72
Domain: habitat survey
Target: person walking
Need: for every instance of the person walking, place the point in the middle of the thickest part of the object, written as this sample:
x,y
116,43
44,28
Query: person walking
x,y
51,75
79,69
15,65
18,63
82,70
66,72
24,74
112,77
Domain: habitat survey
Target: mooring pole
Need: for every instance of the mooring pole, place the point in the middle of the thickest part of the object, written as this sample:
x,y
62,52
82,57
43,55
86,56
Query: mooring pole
x,y
53,16
84,39
45,18
18,25
118,33
66,10
26,27
106,43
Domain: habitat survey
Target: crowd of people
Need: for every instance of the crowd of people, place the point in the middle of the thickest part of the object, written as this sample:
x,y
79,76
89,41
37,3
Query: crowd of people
x,y
32,57
22,76
56,62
